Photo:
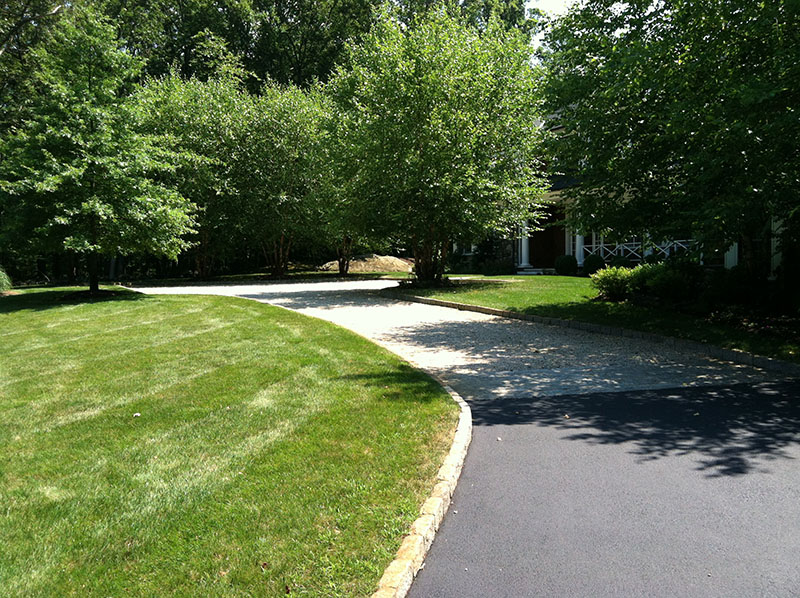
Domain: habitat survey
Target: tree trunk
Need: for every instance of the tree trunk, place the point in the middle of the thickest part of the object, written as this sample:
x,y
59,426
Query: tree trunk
x,y
278,257
430,257
94,276
344,255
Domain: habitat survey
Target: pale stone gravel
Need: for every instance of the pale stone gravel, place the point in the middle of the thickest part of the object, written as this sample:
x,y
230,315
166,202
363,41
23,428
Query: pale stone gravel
x,y
487,356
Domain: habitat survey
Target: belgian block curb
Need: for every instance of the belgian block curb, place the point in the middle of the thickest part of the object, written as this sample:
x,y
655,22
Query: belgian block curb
x,y
400,573
769,364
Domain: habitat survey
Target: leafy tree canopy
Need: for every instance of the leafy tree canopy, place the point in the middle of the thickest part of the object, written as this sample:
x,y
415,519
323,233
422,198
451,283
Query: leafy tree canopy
x,y
75,174
679,117
437,134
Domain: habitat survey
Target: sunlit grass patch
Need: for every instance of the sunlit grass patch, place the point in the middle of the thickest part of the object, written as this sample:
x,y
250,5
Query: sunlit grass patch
x,y
204,446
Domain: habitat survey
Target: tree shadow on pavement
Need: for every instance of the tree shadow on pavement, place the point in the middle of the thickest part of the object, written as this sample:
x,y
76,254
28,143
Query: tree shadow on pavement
x,y
733,429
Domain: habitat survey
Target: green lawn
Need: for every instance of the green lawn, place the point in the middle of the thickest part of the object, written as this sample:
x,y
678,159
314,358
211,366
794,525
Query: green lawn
x,y
273,454
572,298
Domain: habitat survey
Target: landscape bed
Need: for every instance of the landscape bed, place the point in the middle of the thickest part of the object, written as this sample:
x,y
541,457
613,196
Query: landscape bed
x,y
204,446
573,298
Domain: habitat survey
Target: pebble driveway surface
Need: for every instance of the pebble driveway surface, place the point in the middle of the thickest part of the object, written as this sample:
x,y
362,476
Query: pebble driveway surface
x,y
600,465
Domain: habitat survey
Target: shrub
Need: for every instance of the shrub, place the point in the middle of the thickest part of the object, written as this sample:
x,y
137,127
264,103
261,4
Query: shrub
x,y
620,262
592,264
613,283
566,265
5,281
640,275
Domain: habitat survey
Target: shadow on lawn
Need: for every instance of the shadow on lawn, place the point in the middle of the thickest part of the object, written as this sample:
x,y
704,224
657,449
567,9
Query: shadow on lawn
x,y
733,430
41,300
405,384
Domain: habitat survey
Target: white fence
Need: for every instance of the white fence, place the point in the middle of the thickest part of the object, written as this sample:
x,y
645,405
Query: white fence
x,y
634,251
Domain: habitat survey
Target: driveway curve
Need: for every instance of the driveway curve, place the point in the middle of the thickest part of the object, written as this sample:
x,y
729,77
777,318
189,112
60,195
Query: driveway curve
x,y
600,466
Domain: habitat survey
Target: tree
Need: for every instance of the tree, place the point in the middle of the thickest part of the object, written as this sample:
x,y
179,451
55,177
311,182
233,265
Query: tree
x,y
476,13
75,173
298,41
274,170
202,120
254,161
680,118
437,132
24,24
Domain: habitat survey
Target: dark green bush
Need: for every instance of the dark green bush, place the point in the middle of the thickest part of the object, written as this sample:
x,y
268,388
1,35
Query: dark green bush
x,y
620,262
5,281
592,264
460,264
671,283
566,265
612,283
641,274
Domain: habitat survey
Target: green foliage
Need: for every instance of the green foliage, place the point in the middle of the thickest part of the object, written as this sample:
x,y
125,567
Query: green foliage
x,y
255,161
592,263
24,25
642,274
672,282
669,283
78,176
436,134
289,42
612,283
5,281
680,118
566,265
474,13
620,262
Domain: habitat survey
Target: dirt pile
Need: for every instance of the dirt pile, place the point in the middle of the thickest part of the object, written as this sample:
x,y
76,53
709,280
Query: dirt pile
x,y
373,263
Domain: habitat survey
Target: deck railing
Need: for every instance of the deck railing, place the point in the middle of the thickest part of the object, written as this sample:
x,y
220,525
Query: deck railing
x,y
634,251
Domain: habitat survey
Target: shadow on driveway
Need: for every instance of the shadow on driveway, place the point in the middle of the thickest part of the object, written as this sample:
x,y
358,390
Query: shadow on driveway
x,y
732,430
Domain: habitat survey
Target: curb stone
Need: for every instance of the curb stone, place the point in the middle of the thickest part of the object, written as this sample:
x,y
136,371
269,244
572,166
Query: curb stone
x,y
399,575
732,355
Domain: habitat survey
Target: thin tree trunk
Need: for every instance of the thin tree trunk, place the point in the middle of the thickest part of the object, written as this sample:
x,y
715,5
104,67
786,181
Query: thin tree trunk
x,y
94,277
345,254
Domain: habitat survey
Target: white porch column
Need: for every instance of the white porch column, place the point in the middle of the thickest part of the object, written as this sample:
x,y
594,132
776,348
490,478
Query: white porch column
x,y
524,248
732,256
579,249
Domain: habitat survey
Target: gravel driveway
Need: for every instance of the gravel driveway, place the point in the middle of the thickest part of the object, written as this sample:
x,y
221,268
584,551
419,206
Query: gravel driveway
x,y
600,466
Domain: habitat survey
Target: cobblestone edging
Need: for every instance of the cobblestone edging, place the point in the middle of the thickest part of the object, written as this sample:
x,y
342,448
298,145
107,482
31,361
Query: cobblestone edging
x,y
732,355
400,573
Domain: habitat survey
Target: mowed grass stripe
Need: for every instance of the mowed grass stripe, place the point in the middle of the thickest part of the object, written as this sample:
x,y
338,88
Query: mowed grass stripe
x,y
273,451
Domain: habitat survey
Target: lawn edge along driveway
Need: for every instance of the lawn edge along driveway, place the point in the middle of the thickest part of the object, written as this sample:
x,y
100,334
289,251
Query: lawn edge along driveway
x,y
399,575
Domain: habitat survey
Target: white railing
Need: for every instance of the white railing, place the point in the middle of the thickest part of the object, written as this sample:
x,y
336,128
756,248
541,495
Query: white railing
x,y
634,251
